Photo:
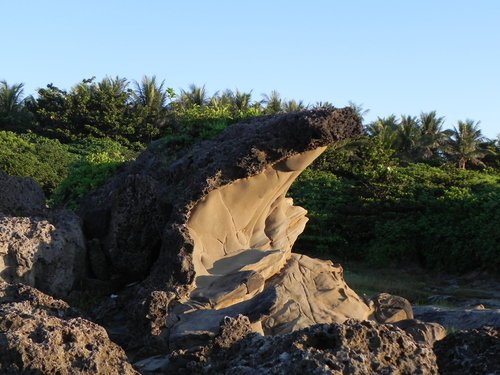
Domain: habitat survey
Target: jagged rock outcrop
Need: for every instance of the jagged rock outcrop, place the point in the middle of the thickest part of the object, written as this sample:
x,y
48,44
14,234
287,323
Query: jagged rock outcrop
x,y
210,235
474,352
42,335
45,252
38,247
350,348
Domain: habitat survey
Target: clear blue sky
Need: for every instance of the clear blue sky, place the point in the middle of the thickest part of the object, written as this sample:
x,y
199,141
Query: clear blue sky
x,y
392,56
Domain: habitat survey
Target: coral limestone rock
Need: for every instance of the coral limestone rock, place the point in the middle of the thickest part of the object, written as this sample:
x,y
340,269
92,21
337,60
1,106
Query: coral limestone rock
x,y
45,252
349,348
41,335
40,247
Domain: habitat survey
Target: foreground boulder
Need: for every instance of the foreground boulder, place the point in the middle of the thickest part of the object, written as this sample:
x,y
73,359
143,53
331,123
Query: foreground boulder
x,y
42,335
474,351
45,252
349,348
39,247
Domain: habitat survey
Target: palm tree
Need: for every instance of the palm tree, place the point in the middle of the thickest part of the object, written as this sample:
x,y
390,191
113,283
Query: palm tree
x,y
433,136
112,86
14,114
11,97
273,102
151,93
241,101
464,143
326,105
150,100
359,110
293,106
408,138
384,129
194,96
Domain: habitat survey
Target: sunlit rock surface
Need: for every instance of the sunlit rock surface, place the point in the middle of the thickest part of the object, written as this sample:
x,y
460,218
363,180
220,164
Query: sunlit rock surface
x,y
39,247
42,335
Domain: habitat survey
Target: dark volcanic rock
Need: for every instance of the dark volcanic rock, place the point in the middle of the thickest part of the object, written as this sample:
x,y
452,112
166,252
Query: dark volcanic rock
x,y
41,335
349,348
471,352
20,195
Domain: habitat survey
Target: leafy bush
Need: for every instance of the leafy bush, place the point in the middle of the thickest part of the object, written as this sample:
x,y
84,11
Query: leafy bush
x,y
441,218
45,160
99,159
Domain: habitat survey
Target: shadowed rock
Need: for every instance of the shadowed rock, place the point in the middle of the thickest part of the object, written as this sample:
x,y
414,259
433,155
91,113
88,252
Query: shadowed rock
x,y
20,195
474,351
349,348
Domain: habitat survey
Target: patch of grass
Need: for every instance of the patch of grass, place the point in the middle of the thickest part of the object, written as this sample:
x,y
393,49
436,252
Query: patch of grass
x,y
372,281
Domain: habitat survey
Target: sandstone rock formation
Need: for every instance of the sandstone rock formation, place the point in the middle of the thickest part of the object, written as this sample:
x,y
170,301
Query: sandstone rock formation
x,y
211,234
38,247
350,348
41,335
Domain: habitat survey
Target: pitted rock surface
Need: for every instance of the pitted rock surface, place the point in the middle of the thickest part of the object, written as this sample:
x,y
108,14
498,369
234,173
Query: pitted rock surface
x,y
474,352
47,252
350,348
40,247
42,335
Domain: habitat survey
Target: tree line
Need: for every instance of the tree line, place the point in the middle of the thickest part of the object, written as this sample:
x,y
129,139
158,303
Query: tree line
x,y
135,113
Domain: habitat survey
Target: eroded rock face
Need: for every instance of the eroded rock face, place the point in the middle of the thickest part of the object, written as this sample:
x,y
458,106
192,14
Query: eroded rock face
x,y
165,220
39,334
39,247
47,253
216,229
349,348
211,234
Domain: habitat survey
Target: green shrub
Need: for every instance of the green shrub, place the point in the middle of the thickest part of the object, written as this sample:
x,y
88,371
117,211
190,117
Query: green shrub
x,y
85,175
45,160
440,218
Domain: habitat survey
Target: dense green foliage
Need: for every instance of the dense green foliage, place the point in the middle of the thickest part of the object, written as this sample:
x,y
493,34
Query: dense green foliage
x,y
46,160
404,193
437,217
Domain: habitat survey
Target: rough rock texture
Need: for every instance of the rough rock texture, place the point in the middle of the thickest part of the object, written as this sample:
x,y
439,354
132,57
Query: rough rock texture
x,y
475,351
425,333
389,308
349,348
41,335
45,252
211,234
20,195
